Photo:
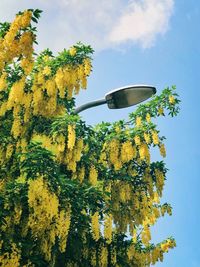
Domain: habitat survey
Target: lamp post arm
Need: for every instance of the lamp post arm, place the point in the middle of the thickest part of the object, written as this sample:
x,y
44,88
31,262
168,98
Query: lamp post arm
x,y
90,105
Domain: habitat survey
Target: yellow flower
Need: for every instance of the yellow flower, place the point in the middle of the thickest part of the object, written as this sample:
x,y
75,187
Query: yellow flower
x,y
93,174
3,108
155,138
43,205
60,82
27,65
9,151
128,151
144,152
146,236
138,121
171,99
147,138
160,111
156,198
103,256
81,174
72,51
95,226
71,136
25,19
87,66
3,82
108,228
137,140
114,149
134,235
165,246
148,117
62,228
46,71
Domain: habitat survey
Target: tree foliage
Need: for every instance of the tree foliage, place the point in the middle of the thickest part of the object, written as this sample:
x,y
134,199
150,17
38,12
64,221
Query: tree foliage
x,y
73,194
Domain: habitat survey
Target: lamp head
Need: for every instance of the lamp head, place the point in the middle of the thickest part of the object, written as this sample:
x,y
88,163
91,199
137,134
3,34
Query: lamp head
x,y
129,95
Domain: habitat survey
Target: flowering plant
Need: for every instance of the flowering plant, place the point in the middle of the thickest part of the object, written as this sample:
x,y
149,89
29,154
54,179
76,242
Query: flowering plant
x,y
72,194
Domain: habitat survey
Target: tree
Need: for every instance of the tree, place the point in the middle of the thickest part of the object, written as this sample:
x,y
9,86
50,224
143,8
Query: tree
x,y
73,194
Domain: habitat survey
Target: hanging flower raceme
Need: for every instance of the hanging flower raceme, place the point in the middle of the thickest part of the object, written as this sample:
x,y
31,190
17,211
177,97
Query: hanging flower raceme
x,y
108,228
71,136
95,226
12,45
114,153
44,205
128,151
93,175
62,227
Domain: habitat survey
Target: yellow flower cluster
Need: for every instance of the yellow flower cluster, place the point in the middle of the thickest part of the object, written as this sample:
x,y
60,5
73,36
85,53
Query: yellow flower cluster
x,y
160,111
46,88
44,96
43,204
17,101
119,153
146,236
114,153
155,137
108,228
166,245
138,121
148,258
9,151
72,51
45,218
68,151
81,174
62,228
147,138
171,99
3,81
72,156
71,136
159,181
128,151
137,140
95,226
141,207
148,117
93,175
144,152
93,257
11,46
69,80
103,255
12,258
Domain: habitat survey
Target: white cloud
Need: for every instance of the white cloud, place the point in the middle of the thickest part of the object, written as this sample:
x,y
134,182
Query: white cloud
x,y
103,24
142,21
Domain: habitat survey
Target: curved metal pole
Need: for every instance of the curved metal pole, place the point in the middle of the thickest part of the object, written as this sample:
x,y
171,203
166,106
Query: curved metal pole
x,y
90,105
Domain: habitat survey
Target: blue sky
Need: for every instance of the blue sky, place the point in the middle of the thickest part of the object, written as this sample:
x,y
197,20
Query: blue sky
x,y
153,42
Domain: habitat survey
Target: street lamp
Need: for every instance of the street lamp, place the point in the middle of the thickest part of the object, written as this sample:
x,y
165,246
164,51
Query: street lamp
x,y
122,97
